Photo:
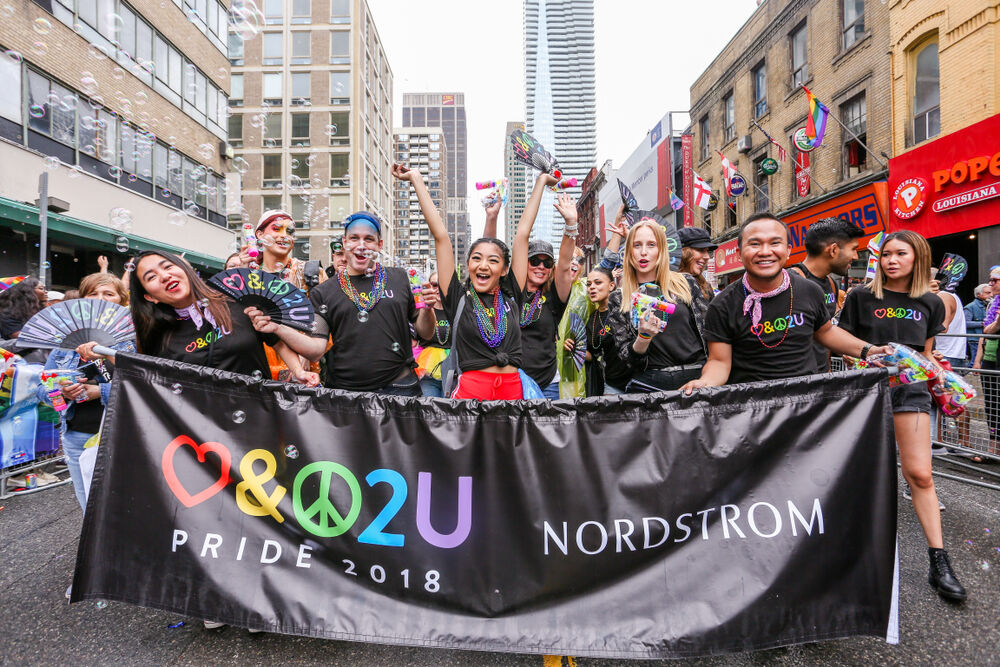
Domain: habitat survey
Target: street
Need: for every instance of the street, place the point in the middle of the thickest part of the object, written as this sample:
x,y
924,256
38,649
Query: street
x,y
38,541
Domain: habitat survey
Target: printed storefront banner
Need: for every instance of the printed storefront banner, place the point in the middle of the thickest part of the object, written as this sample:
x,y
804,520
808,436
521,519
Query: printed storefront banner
x,y
654,526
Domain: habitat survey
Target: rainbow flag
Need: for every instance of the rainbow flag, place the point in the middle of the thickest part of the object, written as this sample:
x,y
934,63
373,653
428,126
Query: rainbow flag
x,y
816,122
10,281
875,247
676,203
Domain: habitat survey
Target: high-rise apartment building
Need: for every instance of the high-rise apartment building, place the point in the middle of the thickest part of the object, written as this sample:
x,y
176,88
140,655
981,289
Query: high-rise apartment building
x,y
517,174
560,108
313,131
447,111
423,149
123,106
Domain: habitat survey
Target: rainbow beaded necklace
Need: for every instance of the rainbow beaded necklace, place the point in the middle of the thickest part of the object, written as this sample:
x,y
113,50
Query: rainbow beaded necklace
x,y
530,311
491,329
364,302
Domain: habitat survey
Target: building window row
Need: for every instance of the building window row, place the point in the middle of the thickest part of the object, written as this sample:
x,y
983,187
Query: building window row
x,y
340,12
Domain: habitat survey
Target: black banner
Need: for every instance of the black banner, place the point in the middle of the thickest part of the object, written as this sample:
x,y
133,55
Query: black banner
x,y
643,527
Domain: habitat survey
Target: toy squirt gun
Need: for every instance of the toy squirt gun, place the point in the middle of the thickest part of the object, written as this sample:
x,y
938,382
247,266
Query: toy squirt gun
x,y
644,303
416,286
54,381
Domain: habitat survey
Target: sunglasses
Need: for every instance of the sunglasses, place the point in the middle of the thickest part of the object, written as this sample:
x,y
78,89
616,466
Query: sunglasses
x,y
544,261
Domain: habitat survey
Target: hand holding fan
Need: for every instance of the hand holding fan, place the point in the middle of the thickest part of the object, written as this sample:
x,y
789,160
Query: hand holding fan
x,y
528,151
952,271
631,205
578,334
279,300
68,324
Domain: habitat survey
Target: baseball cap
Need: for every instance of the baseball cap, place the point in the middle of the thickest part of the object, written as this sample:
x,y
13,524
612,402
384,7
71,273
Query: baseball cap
x,y
540,248
268,216
695,237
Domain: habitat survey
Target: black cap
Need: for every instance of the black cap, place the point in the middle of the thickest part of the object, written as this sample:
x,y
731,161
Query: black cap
x,y
540,248
695,237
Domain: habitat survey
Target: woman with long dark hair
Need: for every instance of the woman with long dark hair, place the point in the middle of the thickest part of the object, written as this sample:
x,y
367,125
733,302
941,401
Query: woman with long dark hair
x,y
898,306
607,372
18,304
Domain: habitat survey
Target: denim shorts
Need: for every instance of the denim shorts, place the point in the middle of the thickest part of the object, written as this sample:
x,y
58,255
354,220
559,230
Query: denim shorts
x,y
913,397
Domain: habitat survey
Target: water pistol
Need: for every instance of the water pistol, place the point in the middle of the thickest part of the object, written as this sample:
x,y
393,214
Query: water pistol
x,y
645,303
252,244
565,184
875,248
957,392
499,194
913,366
488,185
53,381
416,286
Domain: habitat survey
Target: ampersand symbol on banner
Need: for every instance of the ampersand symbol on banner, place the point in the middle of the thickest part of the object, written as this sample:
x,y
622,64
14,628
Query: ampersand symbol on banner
x,y
262,503
318,517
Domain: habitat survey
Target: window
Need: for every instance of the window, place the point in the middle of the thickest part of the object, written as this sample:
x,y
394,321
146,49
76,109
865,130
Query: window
x,y
340,47
98,133
301,11
271,203
853,114
340,11
299,208
800,56
339,170
272,87
300,129
339,128
126,32
762,193
272,48
272,170
160,166
236,89
340,87
10,79
175,177
926,94
235,49
759,90
854,21
729,117
272,130
272,12
235,131
703,139
300,87
300,166
300,48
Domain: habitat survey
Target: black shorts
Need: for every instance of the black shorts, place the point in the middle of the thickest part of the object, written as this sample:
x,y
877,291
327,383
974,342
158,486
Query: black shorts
x,y
913,397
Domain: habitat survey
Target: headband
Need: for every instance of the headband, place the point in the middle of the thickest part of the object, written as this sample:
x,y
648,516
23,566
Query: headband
x,y
366,217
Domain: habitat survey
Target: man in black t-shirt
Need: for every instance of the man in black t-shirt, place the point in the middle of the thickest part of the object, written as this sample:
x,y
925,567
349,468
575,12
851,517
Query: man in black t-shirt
x,y
831,247
763,327
368,309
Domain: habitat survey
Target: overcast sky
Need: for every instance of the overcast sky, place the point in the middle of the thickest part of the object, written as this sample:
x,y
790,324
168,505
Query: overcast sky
x,y
648,53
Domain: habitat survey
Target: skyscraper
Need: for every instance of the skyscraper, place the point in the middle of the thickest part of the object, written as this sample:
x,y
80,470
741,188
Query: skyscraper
x,y
447,111
419,148
517,173
560,100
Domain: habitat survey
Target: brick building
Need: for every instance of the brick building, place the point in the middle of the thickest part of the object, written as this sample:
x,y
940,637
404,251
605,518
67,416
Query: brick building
x,y
837,48
587,238
123,106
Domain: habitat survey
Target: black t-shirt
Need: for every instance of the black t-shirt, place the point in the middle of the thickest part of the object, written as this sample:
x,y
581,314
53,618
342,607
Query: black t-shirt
x,y
679,343
442,331
601,344
87,416
366,355
473,352
780,346
897,318
239,350
830,300
539,336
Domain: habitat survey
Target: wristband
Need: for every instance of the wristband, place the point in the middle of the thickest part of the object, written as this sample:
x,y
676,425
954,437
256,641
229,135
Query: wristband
x,y
645,336
865,350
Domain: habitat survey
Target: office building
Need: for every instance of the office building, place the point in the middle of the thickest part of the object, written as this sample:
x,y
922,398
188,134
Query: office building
x,y
423,149
517,175
447,111
123,107
560,93
312,128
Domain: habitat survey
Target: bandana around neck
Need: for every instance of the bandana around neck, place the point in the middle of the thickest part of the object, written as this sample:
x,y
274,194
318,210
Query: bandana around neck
x,y
196,314
753,298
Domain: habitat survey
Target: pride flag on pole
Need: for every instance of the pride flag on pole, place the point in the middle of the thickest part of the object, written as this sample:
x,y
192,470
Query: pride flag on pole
x,y
676,203
816,122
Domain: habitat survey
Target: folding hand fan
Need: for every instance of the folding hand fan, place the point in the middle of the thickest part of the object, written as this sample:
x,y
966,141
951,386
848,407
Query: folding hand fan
x,y
280,300
578,334
68,324
528,151
631,205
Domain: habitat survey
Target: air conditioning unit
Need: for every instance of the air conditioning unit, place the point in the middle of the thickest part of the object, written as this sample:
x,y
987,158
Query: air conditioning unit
x,y
745,144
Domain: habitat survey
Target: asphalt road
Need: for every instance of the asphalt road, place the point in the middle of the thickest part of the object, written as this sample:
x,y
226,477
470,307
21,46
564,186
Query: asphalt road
x,y
38,541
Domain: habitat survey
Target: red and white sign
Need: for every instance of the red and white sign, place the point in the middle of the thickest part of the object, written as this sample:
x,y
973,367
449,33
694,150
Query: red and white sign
x,y
727,258
802,174
909,197
687,162
960,176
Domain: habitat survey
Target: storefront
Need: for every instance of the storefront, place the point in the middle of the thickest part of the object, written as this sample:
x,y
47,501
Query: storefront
x,y
948,190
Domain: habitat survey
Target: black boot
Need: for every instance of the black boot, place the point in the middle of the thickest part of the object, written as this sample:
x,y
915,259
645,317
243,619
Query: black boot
x,y
942,578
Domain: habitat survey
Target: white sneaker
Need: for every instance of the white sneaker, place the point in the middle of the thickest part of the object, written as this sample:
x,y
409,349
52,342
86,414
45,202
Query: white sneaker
x,y
213,625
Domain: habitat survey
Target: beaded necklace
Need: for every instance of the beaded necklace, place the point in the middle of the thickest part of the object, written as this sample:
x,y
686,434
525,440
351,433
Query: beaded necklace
x,y
530,312
438,337
791,303
491,329
362,301
599,333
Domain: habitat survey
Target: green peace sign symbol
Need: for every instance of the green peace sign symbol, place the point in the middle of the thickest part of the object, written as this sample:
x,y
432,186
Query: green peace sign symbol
x,y
323,505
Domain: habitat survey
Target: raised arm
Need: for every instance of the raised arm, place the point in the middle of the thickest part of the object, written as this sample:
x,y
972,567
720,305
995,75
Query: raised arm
x,y
492,213
519,263
618,232
444,253
566,205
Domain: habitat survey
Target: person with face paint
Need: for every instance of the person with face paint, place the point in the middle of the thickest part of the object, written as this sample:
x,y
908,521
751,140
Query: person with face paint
x,y
763,327
903,285
368,309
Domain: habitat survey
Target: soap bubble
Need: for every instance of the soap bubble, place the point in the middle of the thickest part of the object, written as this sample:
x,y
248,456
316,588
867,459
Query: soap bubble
x,y
331,130
322,309
176,388
101,604
239,416
121,244
141,97
88,84
257,375
984,566
98,51
76,171
42,26
13,56
395,347
207,151
306,247
39,48
241,165
46,265
192,209
362,316
36,111
291,451
178,218
114,23
114,171
130,266
51,163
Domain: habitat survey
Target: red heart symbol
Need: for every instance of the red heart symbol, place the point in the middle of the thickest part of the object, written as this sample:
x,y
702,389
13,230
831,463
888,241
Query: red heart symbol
x,y
169,474
231,280
880,313
757,329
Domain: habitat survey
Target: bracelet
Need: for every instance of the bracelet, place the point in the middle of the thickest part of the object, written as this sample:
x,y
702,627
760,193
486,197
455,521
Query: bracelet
x,y
865,350
645,336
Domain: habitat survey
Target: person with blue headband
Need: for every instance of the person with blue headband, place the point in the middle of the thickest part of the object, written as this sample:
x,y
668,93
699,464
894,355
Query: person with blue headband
x,y
368,309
